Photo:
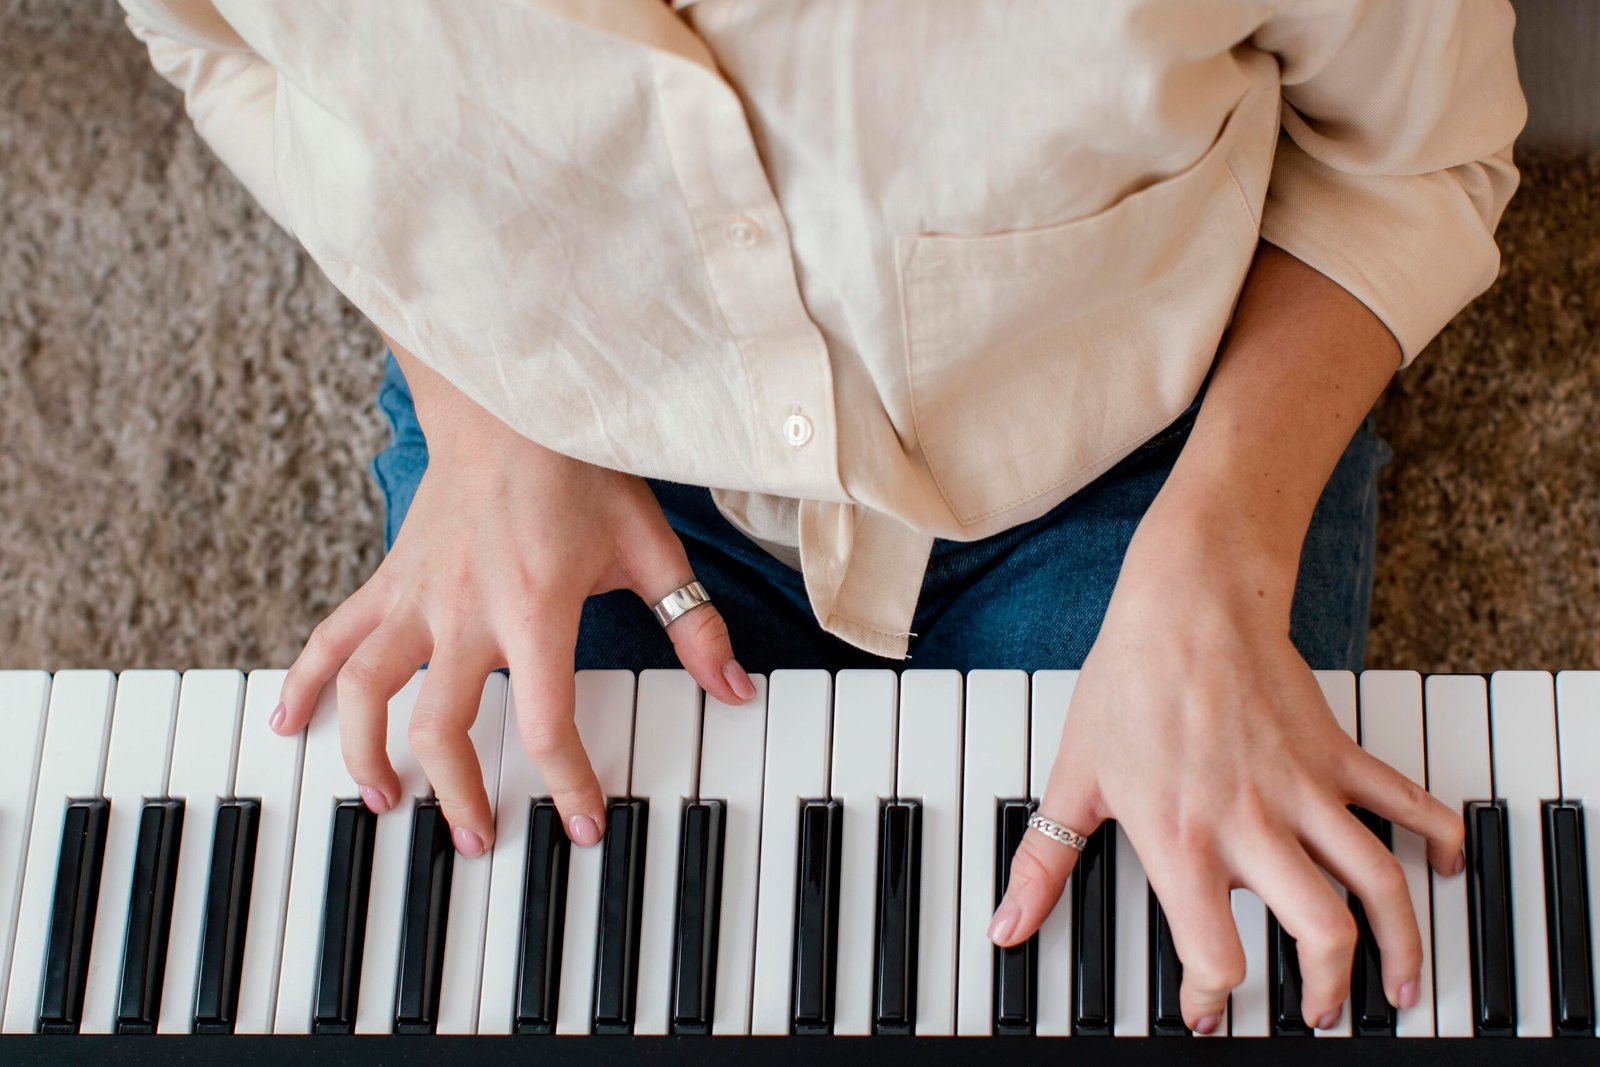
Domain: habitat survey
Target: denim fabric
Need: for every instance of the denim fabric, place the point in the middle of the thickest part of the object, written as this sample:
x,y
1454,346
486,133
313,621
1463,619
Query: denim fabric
x,y
1031,597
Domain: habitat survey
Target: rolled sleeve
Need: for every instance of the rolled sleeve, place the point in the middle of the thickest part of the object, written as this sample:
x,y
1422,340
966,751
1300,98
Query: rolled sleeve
x,y
1394,162
229,91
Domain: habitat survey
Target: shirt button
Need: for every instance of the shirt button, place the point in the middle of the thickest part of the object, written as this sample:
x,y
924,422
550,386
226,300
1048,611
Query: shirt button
x,y
797,429
743,232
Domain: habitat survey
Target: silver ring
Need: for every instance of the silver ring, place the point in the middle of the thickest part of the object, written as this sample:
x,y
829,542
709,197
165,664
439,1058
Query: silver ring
x,y
1056,832
680,600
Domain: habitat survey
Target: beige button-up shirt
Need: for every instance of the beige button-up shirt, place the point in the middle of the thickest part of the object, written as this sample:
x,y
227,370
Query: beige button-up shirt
x,y
876,271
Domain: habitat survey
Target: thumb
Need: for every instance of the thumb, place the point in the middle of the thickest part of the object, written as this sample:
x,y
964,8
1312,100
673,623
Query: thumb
x,y
1040,869
699,635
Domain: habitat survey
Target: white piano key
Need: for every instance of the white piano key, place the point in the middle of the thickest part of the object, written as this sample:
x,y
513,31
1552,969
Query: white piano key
x,y
1391,729
1339,690
1052,694
666,762
732,747
72,766
1457,710
142,720
1522,728
1131,1009
862,777
469,880
605,724
994,768
323,782
799,706
520,784
1249,1013
204,752
391,857
269,770
928,768
1578,720
24,696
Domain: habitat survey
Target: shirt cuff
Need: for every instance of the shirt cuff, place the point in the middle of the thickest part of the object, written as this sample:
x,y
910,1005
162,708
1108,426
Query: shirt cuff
x,y
1414,248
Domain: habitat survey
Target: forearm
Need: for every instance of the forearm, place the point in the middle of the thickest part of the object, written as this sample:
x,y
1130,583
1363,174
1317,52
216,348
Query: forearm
x,y
1300,366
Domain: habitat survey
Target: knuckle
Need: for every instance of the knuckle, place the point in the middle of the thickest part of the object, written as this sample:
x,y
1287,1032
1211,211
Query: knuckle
x,y
1214,979
543,737
426,733
1388,880
1028,869
359,676
705,627
1334,938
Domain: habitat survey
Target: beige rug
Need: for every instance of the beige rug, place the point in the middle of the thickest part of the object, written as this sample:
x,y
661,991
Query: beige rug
x,y
186,419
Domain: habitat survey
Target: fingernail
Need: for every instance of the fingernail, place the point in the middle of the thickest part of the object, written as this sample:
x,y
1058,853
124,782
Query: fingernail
x,y
275,720
468,843
1208,1024
1409,994
1328,1021
738,681
1004,921
584,830
1461,862
375,800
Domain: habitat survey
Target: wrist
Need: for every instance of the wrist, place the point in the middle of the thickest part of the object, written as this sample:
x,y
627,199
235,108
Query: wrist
x,y
1196,539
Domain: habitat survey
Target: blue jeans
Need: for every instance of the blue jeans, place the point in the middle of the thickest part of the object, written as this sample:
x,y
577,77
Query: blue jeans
x,y
1031,597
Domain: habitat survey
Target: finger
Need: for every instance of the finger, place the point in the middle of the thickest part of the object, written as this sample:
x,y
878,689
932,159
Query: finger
x,y
1193,891
1378,787
445,710
325,651
1041,866
1348,851
377,670
1276,866
658,565
542,691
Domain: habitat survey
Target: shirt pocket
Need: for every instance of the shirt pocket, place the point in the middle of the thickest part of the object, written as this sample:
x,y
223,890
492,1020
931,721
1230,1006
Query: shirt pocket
x,y
1035,359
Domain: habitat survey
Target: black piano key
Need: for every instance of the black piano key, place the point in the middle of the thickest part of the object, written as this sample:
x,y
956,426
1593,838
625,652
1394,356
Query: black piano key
x,y
1494,988
1094,934
66,967
894,1001
344,917
694,972
616,952
1373,1014
1016,969
1166,977
422,932
144,949
1283,983
816,916
544,911
233,864
1567,905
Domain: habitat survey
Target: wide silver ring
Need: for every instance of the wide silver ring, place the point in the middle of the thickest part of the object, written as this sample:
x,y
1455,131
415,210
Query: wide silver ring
x,y
670,607
1056,832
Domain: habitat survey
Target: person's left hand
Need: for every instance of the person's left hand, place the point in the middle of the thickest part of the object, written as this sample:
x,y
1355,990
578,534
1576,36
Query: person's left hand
x,y
1197,725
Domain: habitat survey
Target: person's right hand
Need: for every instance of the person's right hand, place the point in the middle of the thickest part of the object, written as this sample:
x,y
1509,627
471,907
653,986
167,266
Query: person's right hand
x,y
503,543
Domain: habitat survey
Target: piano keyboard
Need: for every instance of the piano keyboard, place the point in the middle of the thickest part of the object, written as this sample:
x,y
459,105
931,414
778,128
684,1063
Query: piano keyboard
x,y
823,860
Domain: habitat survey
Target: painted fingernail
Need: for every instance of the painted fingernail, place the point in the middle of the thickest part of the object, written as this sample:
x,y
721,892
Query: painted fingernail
x,y
468,843
1328,1021
375,800
1409,994
1004,921
1461,862
1208,1024
738,681
584,830
275,720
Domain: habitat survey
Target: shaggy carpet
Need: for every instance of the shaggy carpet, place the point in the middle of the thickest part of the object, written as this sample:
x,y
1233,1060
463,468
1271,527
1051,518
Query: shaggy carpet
x,y
186,403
